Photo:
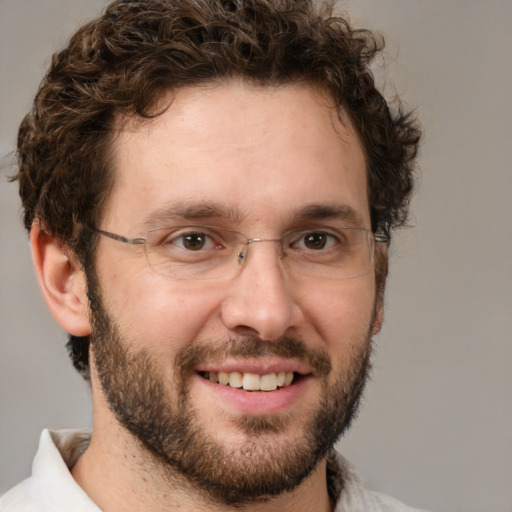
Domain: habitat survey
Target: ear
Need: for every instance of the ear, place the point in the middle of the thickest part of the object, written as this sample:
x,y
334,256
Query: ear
x,y
62,282
381,273
378,317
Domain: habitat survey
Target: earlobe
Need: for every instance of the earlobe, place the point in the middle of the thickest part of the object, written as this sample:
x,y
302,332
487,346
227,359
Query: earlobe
x,y
62,283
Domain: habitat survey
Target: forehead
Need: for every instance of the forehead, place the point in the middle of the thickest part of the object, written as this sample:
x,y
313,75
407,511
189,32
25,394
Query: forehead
x,y
256,152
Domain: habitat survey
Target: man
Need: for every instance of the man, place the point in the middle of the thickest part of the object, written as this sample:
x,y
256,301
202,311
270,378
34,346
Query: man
x,y
210,189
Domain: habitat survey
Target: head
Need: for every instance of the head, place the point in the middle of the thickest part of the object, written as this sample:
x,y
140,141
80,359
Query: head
x,y
140,64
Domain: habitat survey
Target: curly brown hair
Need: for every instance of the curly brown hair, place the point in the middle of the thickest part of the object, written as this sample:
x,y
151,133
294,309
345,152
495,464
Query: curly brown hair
x,y
122,63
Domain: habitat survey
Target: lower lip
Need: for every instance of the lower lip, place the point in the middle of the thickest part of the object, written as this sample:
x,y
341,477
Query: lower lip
x,y
257,402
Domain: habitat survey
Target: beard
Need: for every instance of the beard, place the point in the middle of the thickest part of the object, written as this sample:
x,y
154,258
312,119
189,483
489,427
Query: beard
x,y
158,412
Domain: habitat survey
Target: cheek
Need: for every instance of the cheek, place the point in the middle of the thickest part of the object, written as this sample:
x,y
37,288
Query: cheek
x,y
161,314
342,312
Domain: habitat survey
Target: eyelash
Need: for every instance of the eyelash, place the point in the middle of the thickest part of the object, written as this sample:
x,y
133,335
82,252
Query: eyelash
x,y
324,239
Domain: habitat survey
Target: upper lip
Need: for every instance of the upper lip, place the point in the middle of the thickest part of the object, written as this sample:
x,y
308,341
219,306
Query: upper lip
x,y
257,366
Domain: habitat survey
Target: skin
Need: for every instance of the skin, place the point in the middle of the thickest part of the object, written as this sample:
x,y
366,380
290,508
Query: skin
x,y
263,154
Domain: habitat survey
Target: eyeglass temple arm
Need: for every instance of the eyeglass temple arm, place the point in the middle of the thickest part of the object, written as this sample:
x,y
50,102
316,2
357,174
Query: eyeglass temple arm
x,y
119,238
381,237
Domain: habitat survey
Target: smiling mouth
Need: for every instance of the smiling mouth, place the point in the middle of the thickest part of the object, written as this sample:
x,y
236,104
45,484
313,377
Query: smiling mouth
x,y
252,381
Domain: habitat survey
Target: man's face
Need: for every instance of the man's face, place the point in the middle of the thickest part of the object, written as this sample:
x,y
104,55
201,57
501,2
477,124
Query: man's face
x,y
260,161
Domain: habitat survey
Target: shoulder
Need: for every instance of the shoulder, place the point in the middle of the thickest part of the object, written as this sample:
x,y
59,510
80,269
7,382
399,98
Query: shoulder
x,y
354,496
20,498
51,486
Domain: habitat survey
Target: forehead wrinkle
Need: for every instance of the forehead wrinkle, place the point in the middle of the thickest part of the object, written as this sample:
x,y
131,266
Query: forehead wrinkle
x,y
192,210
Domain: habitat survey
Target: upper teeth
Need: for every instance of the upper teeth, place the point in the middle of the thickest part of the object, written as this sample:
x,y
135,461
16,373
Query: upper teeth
x,y
251,381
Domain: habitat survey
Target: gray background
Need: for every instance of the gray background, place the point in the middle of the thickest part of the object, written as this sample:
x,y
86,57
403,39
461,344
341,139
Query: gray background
x,y
435,426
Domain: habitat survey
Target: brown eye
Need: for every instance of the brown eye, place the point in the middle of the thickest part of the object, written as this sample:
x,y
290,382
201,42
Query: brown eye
x,y
315,241
194,241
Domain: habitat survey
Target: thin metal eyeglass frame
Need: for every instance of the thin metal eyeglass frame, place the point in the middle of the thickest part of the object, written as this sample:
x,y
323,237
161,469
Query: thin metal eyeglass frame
x,y
378,237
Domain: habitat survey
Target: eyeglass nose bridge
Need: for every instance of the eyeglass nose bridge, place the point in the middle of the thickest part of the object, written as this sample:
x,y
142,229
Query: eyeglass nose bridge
x,y
242,255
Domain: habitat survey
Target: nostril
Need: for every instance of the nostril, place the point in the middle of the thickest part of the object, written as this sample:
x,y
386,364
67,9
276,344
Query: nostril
x,y
245,330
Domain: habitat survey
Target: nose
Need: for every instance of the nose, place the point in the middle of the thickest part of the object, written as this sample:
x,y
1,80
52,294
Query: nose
x,y
261,300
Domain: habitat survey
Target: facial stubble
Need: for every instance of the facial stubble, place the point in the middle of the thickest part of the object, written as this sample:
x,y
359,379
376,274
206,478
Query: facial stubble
x,y
158,413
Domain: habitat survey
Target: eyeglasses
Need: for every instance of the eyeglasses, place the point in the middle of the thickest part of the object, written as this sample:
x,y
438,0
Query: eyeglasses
x,y
197,252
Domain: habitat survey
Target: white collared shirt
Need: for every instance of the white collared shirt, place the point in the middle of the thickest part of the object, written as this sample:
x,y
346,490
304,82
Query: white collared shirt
x,y
51,488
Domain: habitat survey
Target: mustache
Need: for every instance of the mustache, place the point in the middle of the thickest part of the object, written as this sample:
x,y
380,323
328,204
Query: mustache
x,y
247,347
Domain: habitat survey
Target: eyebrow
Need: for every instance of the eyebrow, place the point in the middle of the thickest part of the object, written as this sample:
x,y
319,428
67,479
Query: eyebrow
x,y
192,211
199,210
342,212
